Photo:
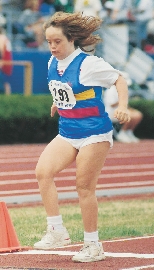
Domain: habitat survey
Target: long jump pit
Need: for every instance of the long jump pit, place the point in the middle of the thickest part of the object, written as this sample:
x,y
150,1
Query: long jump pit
x,y
135,253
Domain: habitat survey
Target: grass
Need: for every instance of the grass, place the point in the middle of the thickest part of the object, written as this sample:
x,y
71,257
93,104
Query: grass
x,y
116,219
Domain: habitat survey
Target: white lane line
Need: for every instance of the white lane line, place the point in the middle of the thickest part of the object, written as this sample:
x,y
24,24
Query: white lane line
x,y
132,155
104,176
112,175
68,170
126,184
69,188
14,182
129,255
17,172
115,155
140,267
27,191
44,252
109,175
129,167
129,239
20,155
69,253
18,160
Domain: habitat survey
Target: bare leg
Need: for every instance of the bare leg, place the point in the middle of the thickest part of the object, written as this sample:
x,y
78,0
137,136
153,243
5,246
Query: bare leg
x,y
56,156
89,162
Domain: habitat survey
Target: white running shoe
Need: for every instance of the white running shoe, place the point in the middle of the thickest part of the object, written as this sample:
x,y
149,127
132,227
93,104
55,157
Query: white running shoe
x,y
123,137
132,136
90,253
53,239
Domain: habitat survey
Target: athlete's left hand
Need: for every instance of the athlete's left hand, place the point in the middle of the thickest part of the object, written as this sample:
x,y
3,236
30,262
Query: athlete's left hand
x,y
122,114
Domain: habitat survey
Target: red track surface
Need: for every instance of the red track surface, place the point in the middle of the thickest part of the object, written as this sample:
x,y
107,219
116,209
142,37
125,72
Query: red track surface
x,y
128,166
125,254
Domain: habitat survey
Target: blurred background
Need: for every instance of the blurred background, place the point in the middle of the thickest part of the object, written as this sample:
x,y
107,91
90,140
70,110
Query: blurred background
x,y
127,32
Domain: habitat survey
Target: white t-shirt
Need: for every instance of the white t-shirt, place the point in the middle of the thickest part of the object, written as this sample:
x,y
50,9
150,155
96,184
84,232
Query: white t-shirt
x,y
94,70
110,98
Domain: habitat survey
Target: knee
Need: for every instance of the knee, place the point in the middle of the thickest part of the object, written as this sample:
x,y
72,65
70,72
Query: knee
x,y
43,173
83,190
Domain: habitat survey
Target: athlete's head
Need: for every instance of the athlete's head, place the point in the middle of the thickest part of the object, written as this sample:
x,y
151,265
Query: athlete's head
x,y
75,27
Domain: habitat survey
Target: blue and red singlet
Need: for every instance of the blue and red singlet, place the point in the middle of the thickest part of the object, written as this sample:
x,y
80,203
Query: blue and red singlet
x,y
81,109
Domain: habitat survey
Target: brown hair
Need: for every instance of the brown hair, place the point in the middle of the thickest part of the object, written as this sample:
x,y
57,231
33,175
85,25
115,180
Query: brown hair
x,y
76,27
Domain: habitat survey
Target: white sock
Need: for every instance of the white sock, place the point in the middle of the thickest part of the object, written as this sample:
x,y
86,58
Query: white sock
x,y
55,222
91,237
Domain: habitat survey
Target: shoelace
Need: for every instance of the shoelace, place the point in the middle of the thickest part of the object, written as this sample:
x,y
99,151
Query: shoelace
x,y
85,248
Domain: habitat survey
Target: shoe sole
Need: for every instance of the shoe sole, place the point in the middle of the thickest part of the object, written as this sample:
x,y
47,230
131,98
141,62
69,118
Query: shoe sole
x,y
67,242
95,259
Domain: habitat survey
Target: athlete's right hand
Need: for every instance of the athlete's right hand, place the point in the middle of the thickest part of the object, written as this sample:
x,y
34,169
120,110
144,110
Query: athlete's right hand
x,y
53,109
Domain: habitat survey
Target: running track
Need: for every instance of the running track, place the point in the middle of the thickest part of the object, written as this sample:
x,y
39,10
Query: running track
x,y
129,169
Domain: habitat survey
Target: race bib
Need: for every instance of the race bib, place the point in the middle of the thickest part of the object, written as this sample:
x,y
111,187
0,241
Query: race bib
x,y
62,94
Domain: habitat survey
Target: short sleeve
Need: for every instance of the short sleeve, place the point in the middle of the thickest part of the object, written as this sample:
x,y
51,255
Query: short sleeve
x,y
95,71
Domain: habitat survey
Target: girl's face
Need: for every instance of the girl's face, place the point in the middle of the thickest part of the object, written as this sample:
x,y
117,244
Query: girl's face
x,y
59,45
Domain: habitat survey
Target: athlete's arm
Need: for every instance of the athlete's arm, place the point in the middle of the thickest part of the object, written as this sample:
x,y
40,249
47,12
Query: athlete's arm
x,y
122,113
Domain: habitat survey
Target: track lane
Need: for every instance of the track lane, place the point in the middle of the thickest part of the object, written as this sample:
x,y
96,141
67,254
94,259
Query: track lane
x,y
128,167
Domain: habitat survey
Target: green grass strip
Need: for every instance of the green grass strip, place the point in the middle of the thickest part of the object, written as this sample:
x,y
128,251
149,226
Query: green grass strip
x,y
116,219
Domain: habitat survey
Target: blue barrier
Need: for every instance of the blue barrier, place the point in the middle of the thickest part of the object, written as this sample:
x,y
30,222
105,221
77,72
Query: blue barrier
x,y
40,66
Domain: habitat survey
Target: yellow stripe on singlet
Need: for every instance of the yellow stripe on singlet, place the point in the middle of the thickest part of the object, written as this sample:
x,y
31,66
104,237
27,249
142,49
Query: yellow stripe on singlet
x,y
85,95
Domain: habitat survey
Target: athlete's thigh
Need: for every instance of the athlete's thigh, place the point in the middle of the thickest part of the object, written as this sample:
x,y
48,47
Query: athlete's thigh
x,y
89,163
57,155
